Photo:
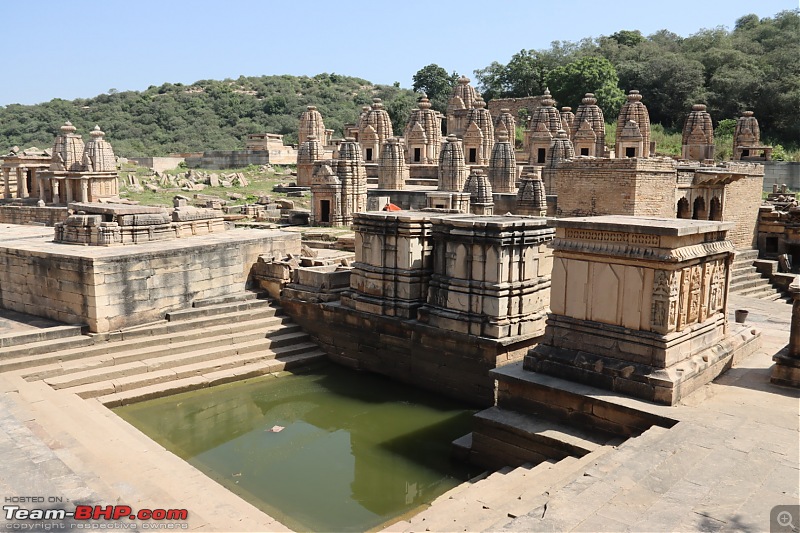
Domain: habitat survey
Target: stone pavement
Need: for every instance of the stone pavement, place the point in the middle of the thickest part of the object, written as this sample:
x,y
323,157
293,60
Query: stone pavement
x,y
730,459
13,323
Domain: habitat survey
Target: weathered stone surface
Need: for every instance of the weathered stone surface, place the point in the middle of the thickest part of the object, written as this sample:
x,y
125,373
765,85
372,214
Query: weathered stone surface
x,y
544,124
747,140
375,129
483,280
787,362
479,134
635,110
561,150
311,124
590,112
452,167
639,306
461,101
698,134
392,170
531,196
309,153
480,193
125,286
423,134
503,165
393,263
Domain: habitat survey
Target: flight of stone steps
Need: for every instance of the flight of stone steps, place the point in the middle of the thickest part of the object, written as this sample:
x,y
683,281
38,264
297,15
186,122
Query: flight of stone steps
x,y
746,281
216,342
490,503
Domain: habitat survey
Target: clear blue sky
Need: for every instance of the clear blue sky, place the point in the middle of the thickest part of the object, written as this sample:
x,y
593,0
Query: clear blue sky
x,y
82,48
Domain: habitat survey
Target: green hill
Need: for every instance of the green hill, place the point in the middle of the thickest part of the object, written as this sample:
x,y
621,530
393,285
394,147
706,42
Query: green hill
x,y
207,115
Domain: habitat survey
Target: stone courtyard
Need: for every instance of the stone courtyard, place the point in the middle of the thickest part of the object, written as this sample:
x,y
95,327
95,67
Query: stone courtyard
x,y
725,464
582,296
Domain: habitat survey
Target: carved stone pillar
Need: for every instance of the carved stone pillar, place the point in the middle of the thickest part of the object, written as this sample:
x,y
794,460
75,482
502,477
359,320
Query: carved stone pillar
x,y
35,185
794,334
7,185
68,188
54,184
22,182
787,362
84,190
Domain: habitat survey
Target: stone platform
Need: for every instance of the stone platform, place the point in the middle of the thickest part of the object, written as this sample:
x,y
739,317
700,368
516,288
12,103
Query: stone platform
x,y
638,306
108,288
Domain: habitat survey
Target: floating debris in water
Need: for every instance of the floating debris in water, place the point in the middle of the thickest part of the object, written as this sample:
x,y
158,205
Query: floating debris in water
x,y
275,429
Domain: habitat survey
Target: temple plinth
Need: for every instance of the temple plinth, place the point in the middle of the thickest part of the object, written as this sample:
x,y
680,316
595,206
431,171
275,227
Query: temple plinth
x,y
638,306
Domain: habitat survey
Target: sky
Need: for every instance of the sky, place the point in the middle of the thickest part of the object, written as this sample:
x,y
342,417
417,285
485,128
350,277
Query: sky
x,y
82,48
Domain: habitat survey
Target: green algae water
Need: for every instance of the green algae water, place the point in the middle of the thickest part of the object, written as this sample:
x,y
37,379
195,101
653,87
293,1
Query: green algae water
x,y
326,450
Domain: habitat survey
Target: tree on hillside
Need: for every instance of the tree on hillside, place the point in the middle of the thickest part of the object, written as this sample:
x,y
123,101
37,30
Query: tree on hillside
x,y
669,85
591,74
527,72
434,81
628,37
207,115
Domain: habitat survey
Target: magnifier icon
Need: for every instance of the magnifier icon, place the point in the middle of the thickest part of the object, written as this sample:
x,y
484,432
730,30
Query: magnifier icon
x,y
785,519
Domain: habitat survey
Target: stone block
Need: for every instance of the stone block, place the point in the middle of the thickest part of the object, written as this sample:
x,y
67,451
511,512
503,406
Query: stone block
x,y
639,305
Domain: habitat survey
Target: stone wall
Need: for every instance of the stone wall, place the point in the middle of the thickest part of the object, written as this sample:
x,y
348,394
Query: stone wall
x,y
514,105
742,200
158,164
446,362
404,198
113,288
637,187
223,159
417,199
781,172
29,215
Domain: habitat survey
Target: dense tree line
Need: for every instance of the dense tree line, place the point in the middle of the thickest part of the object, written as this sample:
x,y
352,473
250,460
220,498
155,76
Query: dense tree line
x,y
207,115
756,66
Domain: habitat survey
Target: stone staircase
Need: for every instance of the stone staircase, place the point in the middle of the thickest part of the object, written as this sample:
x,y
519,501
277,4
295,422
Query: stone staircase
x,y
539,498
505,437
215,342
488,503
747,281
543,435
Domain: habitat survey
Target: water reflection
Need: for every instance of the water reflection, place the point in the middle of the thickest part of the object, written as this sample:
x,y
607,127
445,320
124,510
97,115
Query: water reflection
x,y
355,450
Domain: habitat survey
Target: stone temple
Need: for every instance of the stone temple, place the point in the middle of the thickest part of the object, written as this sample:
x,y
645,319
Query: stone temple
x,y
580,296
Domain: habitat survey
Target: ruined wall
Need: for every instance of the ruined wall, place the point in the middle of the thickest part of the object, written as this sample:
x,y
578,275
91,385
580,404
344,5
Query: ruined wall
x,y
780,172
404,199
742,200
113,288
158,164
29,215
222,159
514,105
589,187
